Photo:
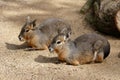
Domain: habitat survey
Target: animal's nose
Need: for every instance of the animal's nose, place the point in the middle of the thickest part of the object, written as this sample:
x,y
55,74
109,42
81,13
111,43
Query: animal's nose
x,y
50,49
20,38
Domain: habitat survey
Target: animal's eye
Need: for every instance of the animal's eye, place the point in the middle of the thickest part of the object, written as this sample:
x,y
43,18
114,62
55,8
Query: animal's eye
x,y
26,30
58,42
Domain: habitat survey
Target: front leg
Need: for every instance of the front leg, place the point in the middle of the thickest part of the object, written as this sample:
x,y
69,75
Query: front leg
x,y
61,58
31,49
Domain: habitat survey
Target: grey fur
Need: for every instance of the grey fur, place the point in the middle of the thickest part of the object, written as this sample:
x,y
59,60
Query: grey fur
x,y
43,33
82,49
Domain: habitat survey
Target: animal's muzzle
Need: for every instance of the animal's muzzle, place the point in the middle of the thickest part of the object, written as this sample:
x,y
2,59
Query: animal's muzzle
x,y
20,38
51,49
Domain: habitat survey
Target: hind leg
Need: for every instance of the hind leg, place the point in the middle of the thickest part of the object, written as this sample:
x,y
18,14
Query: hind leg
x,y
100,57
36,45
40,47
95,56
74,62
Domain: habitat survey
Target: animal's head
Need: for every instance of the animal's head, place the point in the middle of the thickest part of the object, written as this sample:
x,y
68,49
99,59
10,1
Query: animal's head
x,y
58,43
27,28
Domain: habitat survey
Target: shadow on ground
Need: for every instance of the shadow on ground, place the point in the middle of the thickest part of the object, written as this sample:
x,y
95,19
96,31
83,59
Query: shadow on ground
x,y
11,46
45,59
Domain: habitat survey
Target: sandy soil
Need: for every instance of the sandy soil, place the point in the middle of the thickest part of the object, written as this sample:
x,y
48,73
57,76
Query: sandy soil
x,y
18,64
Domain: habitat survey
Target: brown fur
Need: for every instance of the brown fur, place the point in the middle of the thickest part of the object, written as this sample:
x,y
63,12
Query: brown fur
x,y
40,37
99,58
81,50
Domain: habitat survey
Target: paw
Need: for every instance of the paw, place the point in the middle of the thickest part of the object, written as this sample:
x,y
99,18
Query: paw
x,y
30,49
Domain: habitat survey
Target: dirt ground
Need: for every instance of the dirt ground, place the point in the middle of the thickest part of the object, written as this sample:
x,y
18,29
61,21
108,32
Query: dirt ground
x,y
18,64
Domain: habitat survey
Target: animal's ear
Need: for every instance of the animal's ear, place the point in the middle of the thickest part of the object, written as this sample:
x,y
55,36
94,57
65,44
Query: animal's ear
x,y
33,23
63,30
68,34
66,37
28,19
66,31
